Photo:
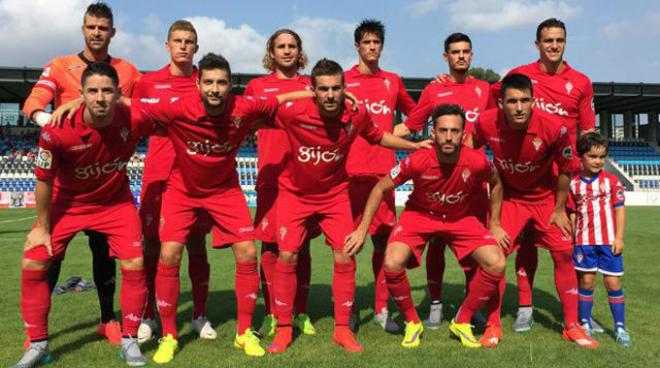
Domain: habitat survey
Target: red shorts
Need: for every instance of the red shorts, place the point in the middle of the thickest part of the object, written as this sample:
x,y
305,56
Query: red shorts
x,y
534,217
294,213
119,222
416,228
226,208
265,220
480,204
151,199
359,188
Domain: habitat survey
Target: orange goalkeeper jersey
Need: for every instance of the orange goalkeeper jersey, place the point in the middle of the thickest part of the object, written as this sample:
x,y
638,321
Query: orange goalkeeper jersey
x,y
60,81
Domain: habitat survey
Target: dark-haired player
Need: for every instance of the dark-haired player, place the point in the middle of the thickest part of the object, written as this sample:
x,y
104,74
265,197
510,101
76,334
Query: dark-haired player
x,y
444,179
381,93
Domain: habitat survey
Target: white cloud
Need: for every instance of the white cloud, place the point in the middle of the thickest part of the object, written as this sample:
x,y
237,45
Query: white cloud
x,y
422,7
645,26
495,15
324,37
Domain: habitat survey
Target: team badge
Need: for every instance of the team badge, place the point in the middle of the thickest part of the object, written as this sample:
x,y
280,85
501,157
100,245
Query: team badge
x,y
580,257
563,130
387,83
477,90
264,224
45,136
282,232
569,87
620,195
44,159
237,121
395,171
465,174
537,142
124,134
567,153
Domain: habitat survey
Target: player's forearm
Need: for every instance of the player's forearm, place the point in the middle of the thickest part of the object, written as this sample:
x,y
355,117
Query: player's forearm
x,y
563,186
389,140
295,95
496,195
43,197
620,220
373,202
401,130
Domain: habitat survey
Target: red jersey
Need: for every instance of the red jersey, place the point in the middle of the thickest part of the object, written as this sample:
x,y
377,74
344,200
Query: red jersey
x,y
381,94
319,146
272,144
524,157
161,84
443,189
568,94
594,200
60,81
89,164
473,96
206,146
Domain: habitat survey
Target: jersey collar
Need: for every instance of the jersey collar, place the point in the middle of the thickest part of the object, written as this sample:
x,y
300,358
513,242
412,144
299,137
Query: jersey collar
x,y
82,57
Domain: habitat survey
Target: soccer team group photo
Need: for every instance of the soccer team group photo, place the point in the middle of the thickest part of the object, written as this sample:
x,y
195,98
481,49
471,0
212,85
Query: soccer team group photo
x,y
351,214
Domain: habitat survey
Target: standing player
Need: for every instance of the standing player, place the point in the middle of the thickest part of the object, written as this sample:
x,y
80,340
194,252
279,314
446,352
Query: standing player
x,y
314,185
60,83
526,143
82,184
444,179
175,80
381,92
598,200
284,58
206,130
559,90
473,96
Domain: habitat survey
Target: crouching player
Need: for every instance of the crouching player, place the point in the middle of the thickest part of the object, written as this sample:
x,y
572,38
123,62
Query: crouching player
x,y
444,177
599,216
82,185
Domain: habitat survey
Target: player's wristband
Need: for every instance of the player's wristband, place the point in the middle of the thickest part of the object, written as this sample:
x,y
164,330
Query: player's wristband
x,y
41,118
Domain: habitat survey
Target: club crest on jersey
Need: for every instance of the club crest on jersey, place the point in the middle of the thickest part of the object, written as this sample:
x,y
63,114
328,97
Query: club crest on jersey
x,y
569,87
477,90
567,153
264,224
237,121
395,171
45,136
465,175
124,134
619,195
563,130
387,84
282,232
44,159
537,142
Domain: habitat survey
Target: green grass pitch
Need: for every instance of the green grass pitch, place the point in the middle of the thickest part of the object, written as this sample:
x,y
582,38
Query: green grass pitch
x,y
73,316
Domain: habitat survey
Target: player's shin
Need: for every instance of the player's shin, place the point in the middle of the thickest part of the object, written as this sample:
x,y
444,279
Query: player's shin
x,y
247,289
132,297
35,303
284,288
343,291
526,264
167,296
399,287
483,287
566,285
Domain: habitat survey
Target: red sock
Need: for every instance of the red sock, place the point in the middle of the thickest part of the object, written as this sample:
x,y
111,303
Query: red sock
x,y
132,299
495,304
303,275
469,275
435,268
247,292
150,269
199,271
167,296
566,285
380,285
526,263
399,287
268,259
284,290
35,303
343,291
482,288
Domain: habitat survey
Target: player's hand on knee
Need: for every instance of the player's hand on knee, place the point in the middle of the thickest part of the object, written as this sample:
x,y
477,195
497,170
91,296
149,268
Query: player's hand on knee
x,y
37,237
501,237
354,242
560,219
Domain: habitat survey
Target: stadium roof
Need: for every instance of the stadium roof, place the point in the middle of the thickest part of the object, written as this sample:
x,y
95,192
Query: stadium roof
x,y
15,85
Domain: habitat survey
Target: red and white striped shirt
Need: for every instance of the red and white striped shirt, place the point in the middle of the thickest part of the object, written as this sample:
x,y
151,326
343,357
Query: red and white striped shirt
x,y
594,200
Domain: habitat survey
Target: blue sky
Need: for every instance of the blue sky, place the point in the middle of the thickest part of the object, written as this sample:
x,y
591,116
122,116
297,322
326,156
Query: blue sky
x,y
607,40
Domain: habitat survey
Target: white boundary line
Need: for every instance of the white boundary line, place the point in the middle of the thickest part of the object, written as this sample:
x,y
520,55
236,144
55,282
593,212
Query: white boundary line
x,y
17,220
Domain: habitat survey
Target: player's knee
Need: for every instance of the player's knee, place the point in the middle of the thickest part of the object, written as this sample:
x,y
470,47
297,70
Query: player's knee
x,y
35,265
245,251
587,280
393,263
132,264
612,283
170,253
288,257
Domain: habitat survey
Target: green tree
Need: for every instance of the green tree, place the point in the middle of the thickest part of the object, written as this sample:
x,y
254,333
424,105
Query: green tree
x,y
487,75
